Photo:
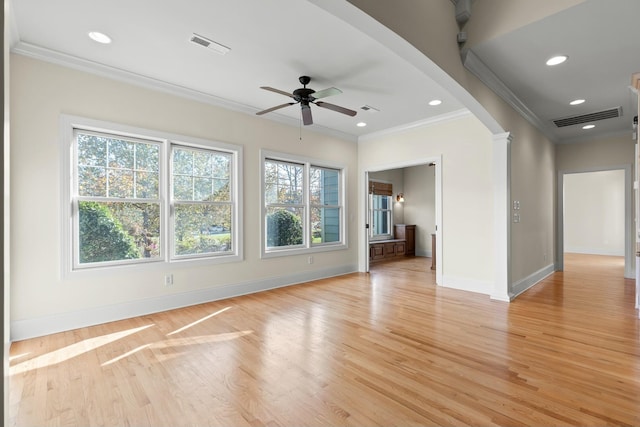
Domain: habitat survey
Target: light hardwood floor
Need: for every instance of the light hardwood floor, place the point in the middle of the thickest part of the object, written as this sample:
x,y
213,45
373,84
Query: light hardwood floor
x,y
385,348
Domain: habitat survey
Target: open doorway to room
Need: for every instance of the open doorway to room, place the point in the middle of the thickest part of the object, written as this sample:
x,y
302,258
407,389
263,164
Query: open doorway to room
x,y
595,215
403,214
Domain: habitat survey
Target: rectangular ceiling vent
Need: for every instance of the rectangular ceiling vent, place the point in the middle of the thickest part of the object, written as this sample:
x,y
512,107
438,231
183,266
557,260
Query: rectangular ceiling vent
x,y
587,118
369,109
209,44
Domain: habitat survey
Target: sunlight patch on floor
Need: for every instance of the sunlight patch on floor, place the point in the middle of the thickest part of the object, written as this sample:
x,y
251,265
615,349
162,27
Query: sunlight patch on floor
x,y
198,321
71,351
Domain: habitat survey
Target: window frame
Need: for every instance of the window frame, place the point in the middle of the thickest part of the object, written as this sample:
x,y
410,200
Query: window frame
x,y
70,234
76,199
307,245
389,213
234,220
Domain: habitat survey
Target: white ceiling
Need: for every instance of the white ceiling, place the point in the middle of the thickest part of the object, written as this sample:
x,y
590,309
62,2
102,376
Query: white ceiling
x,y
602,40
273,42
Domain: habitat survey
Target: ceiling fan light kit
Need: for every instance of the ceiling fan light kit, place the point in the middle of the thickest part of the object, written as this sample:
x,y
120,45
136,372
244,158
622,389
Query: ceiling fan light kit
x,y
305,97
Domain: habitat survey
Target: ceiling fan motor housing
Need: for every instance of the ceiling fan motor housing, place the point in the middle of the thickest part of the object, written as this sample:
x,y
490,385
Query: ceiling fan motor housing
x,y
303,94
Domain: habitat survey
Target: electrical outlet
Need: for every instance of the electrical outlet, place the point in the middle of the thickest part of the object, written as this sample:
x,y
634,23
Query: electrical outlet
x,y
310,260
168,280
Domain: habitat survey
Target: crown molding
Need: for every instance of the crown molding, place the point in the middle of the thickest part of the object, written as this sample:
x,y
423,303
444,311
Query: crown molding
x,y
475,66
431,121
70,61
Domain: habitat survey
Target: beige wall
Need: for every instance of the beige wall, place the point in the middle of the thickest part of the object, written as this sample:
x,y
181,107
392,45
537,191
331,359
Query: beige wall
x,y
41,92
609,152
492,18
419,207
467,192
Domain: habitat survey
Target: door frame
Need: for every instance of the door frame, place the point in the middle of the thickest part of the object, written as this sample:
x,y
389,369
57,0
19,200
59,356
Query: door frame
x,y
629,259
437,161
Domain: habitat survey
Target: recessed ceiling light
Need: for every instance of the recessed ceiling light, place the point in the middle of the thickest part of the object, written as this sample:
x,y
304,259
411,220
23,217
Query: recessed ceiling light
x,y
588,126
361,124
100,37
557,60
576,102
435,102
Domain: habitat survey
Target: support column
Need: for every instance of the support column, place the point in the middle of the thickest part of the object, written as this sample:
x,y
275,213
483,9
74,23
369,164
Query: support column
x,y
502,216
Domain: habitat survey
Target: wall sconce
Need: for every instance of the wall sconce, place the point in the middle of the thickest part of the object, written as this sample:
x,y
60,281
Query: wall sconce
x,y
400,197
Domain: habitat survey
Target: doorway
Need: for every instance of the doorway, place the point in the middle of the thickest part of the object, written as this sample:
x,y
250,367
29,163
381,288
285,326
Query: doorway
x,y
420,183
595,214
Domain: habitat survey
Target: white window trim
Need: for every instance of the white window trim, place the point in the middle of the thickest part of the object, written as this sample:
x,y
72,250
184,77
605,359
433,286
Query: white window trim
x,y
307,246
68,123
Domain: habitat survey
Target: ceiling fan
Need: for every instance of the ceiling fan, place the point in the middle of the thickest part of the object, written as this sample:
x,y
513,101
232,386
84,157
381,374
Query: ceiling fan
x,y
306,96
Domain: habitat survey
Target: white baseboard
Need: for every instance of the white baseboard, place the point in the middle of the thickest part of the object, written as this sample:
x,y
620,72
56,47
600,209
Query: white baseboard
x,y
469,285
595,251
35,327
523,284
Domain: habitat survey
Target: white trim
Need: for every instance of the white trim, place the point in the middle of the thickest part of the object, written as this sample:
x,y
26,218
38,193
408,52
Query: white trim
x,y
65,60
501,152
431,121
45,325
528,282
594,251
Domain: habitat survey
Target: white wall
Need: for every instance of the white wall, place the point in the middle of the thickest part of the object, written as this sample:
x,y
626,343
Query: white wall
x,y
594,213
467,187
419,207
41,301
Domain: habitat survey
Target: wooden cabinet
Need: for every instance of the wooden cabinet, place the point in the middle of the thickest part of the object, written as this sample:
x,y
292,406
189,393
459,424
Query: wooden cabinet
x,y
386,249
408,234
404,244
376,251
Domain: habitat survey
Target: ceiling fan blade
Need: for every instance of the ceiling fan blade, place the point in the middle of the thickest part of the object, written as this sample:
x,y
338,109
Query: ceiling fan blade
x,y
277,107
306,114
337,108
326,92
281,92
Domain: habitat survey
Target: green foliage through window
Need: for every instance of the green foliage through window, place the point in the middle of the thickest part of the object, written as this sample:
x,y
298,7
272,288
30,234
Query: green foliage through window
x,y
283,229
102,237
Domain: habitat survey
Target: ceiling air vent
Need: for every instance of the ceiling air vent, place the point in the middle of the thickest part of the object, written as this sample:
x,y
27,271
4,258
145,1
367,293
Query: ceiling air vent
x,y
591,117
369,109
210,44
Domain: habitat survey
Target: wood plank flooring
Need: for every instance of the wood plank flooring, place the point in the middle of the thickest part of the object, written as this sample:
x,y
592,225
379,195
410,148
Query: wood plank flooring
x,y
386,348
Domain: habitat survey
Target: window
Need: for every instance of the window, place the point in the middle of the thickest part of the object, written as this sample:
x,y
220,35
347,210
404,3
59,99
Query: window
x,y
128,205
303,206
201,190
117,199
380,210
